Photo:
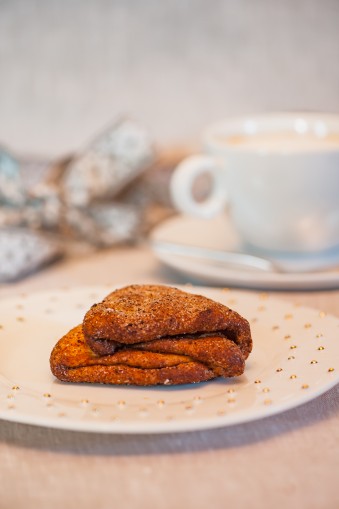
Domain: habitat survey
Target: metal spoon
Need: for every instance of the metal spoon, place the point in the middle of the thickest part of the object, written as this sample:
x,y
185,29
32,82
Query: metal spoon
x,y
216,256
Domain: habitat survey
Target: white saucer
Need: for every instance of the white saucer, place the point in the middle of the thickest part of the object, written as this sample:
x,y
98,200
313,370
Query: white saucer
x,y
218,233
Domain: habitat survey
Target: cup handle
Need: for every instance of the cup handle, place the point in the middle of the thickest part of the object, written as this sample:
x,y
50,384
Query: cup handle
x,y
181,187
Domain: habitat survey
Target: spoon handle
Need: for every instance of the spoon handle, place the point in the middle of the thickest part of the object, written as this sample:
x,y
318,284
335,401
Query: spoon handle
x,y
216,256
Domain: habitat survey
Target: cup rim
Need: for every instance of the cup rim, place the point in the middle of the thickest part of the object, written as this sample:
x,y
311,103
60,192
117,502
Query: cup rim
x,y
318,123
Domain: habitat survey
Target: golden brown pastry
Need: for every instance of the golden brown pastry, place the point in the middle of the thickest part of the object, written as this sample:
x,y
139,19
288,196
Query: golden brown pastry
x,y
151,334
140,313
177,360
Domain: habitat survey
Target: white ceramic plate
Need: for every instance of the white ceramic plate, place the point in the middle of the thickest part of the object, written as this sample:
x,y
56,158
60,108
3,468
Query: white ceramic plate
x,y
295,358
218,233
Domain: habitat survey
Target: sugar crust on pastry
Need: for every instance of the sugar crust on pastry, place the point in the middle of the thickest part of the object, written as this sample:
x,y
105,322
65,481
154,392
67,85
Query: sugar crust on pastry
x,y
142,313
168,362
153,334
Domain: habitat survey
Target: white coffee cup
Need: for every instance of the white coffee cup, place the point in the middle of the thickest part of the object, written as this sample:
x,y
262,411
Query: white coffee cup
x,y
279,175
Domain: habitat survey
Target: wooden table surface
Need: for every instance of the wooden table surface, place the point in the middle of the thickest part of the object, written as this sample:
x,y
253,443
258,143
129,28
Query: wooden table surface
x,y
287,460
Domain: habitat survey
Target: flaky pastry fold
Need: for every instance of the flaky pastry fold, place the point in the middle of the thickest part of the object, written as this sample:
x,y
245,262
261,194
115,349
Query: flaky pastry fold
x,y
153,334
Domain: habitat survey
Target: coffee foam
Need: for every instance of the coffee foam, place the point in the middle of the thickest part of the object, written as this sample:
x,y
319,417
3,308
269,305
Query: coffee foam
x,y
281,141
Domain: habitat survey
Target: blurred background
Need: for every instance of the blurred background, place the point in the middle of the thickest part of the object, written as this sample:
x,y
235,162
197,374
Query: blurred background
x,y
70,67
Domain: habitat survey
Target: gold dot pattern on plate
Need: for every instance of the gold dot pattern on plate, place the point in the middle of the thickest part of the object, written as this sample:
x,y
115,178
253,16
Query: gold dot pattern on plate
x,y
263,296
267,388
